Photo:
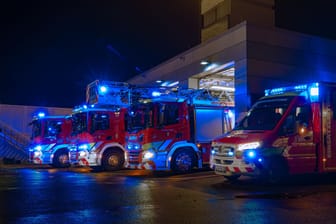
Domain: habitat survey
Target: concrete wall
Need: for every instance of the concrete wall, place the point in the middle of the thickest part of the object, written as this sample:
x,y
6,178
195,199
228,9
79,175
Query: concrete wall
x,y
263,58
221,15
18,117
258,12
278,57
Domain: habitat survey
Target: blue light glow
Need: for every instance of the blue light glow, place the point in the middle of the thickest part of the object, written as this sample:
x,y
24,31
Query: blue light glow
x,y
41,114
103,89
312,90
251,154
83,147
38,147
156,94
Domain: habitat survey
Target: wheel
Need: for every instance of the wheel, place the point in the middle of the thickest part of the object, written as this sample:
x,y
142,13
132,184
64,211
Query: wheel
x,y
276,170
232,177
183,161
61,159
113,160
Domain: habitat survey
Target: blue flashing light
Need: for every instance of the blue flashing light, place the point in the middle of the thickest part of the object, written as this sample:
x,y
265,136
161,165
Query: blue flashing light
x,y
251,154
260,160
230,153
300,87
41,114
311,89
156,94
314,92
38,148
102,89
83,147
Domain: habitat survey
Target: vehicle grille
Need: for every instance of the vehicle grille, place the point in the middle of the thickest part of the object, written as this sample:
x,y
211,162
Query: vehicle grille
x,y
134,157
226,151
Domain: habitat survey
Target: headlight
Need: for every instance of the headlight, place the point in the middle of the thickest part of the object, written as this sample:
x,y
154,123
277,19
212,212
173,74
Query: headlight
x,y
214,151
82,153
148,155
250,145
37,153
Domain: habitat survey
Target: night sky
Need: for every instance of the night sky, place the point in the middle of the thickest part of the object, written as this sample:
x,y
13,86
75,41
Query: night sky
x,y
50,50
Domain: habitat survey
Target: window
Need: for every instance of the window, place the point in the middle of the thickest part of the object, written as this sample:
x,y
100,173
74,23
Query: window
x,y
170,114
100,122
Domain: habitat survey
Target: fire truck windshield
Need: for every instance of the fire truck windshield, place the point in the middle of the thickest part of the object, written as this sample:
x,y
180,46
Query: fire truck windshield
x,y
52,128
79,123
139,117
265,114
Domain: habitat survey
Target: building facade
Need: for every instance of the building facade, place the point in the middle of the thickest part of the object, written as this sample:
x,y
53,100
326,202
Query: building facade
x,y
241,55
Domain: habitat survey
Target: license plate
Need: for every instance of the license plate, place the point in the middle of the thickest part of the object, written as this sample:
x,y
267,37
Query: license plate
x,y
220,169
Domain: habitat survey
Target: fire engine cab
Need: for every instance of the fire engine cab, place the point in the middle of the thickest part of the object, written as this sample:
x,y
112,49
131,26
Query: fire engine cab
x,y
50,135
99,127
172,129
288,131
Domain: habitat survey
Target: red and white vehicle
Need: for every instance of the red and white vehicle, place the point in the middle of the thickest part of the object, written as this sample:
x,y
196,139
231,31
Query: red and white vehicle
x,y
288,131
100,135
174,130
99,128
50,136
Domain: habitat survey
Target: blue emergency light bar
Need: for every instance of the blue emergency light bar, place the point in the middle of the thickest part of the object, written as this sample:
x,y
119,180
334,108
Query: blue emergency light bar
x,y
102,89
41,114
309,90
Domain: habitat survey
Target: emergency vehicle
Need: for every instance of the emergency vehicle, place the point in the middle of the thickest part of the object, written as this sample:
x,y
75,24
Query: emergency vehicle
x,y
172,129
99,127
50,135
288,131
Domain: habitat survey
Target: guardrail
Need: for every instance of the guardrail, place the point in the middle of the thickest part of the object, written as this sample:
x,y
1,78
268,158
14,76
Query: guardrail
x,y
13,143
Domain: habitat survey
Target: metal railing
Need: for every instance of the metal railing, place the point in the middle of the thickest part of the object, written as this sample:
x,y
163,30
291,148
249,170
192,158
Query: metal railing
x,y
13,143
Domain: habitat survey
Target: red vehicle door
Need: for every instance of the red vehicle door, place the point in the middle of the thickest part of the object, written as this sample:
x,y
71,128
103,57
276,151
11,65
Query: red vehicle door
x,y
301,152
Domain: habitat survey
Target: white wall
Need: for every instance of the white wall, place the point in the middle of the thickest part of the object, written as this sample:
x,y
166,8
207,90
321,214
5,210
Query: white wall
x,y
18,117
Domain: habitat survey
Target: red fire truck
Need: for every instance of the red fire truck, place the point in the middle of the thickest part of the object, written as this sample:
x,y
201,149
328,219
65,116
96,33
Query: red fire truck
x,y
288,131
172,130
99,128
50,135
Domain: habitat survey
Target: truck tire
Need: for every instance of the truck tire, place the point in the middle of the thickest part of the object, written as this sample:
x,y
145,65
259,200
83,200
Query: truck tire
x,y
112,160
61,159
183,161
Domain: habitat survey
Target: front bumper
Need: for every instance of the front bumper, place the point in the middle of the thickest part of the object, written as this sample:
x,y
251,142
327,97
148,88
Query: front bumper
x,y
233,166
